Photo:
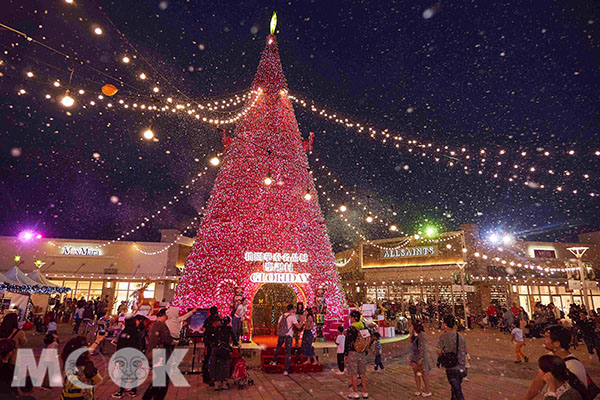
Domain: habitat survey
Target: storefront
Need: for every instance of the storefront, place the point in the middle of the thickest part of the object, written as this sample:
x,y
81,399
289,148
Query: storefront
x,y
428,270
93,268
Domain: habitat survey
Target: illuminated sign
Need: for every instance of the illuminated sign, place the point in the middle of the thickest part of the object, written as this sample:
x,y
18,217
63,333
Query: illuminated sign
x,y
408,252
82,251
277,267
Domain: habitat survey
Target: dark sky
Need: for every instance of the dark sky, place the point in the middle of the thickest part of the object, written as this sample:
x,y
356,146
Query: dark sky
x,y
519,76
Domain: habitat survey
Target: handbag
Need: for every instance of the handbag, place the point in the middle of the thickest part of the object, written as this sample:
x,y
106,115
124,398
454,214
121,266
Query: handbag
x,y
450,359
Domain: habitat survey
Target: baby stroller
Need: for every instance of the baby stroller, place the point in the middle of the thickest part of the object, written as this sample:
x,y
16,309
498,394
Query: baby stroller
x,y
239,372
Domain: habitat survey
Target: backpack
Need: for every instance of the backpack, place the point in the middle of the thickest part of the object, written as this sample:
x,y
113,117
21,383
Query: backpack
x,y
589,393
363,340
282,326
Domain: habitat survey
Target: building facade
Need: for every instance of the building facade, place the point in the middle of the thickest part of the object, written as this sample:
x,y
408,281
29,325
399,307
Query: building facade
x,y
429,269
93,268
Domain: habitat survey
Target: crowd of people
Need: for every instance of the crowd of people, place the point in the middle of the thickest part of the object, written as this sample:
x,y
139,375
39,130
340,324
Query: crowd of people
x,y
561,374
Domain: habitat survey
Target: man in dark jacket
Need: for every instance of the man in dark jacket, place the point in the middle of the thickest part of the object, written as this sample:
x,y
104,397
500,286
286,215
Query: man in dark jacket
x,y
159,337
587,327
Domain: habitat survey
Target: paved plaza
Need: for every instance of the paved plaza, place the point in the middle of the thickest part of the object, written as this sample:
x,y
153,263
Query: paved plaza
x,y
492,375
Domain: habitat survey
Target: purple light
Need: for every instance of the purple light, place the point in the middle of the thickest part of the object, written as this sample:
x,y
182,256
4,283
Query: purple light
x,y
26,236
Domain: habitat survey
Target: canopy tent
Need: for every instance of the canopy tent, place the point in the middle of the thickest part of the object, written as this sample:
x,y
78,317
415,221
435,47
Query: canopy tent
x,y
40,279
8,281
16,275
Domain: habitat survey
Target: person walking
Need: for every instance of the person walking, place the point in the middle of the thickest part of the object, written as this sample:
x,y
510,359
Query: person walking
x,y
377,351
588,329
285,331
517,338
129,338
419,359
308,337
340,341
9,329
355,357
81,375
452,351
159,337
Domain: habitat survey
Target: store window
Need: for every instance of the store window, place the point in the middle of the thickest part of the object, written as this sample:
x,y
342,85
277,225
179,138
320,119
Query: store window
x,y
538,253
125,290
86,289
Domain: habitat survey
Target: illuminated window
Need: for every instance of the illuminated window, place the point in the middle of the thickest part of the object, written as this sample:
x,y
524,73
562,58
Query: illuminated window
x,y
539,253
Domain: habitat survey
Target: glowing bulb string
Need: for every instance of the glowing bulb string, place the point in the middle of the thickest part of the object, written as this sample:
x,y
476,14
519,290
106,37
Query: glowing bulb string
x,y
343,263
452,154
340,187
177,238
67,56
175,199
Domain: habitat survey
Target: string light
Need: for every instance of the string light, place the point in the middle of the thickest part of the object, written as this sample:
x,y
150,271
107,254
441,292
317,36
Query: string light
x,y
215,161
168,246
125,59
67,100
148,134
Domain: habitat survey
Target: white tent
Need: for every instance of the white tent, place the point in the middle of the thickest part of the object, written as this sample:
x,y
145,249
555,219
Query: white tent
x,y
40,279
16,275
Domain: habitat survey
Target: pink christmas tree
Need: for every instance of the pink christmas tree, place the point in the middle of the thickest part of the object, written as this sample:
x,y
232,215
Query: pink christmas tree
x,y
263,221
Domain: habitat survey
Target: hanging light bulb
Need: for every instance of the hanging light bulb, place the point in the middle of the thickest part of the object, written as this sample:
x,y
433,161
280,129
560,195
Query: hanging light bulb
x,y
142,76
215,161
148,134
67,100
393,228
369,219
343,208
125,59
307,196
98,30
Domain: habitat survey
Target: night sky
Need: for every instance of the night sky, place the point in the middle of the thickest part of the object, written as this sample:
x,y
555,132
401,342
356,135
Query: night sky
x,y
519,76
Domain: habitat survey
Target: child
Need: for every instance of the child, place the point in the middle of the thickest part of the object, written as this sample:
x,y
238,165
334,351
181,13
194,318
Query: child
x,y
51,342
51,327
340,340
377,347
517,338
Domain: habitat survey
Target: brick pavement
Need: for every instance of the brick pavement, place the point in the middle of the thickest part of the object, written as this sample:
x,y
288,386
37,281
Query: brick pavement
x,y
493,375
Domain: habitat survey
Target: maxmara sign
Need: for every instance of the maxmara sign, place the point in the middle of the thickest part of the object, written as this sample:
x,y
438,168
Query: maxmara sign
x,y
277,267
83,251
409,252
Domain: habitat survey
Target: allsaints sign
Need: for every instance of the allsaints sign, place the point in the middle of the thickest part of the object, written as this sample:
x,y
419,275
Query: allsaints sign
x,y
408,252
277,267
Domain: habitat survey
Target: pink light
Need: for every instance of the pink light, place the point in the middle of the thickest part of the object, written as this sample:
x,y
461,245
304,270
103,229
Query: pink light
x,y
26,236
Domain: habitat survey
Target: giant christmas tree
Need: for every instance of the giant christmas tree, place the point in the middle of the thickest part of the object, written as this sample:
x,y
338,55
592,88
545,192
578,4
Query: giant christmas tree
x,y
263,222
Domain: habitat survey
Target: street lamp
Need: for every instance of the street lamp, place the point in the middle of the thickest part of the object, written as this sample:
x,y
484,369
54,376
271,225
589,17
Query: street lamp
x,y
461,266
578,253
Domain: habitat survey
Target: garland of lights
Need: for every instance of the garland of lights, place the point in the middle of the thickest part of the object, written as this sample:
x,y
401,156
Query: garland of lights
x,y
343,263
167,247
30,289
416,146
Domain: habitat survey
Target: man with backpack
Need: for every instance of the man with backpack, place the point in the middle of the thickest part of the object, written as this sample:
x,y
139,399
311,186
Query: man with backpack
x,y
285,331
358,339
452,355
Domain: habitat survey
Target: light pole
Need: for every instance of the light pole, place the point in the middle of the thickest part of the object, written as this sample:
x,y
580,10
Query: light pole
x,y
578,253
461,266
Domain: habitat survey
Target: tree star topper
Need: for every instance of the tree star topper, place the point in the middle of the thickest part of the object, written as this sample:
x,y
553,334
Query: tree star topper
x,y
273,22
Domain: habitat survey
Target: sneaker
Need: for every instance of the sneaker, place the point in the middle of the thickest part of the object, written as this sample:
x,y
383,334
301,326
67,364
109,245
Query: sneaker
x,y
426,394
354,395
285,373
117,395
365,395
132,393
418,393
526,359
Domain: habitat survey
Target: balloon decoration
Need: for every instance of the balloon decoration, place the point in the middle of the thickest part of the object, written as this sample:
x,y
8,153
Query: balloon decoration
x,y
109,89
